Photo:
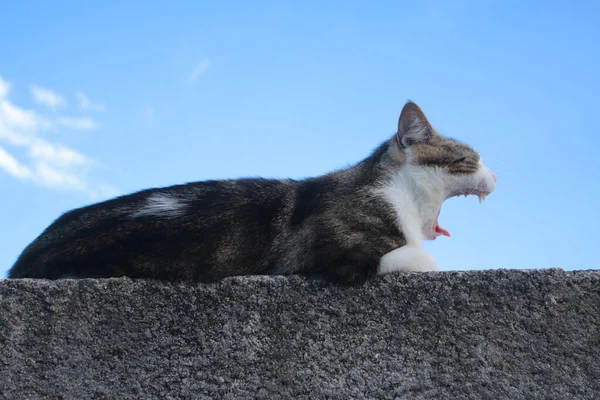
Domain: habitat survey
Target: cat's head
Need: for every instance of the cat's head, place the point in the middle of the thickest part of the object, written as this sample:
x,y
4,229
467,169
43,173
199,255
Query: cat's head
x,y
434,168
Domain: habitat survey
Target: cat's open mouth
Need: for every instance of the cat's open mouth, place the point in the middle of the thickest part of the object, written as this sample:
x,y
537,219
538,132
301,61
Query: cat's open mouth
x,y
437,230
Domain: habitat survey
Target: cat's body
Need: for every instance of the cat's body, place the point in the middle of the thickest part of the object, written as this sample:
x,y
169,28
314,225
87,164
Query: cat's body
x,y
347,226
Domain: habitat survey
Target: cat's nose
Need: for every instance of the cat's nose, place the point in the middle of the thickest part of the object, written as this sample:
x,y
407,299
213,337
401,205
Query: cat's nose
x,y
494,176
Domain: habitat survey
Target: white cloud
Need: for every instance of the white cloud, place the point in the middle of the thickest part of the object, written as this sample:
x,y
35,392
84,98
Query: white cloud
x,y
57,154
45,162
200,68
47,97
10,164
20,118
77,123
86,104
53,177
4,88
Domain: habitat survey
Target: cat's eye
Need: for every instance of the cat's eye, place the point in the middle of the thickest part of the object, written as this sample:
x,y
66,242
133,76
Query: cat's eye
x,y
457,161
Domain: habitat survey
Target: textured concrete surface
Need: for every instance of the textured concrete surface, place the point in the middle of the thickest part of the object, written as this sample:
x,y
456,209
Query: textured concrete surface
x,y
449,335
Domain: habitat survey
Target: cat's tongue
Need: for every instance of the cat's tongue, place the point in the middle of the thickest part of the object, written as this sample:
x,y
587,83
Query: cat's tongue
x,y
441,231
438,230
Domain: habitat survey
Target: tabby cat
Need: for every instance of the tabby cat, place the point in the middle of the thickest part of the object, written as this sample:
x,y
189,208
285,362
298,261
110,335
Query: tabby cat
x,y
346,226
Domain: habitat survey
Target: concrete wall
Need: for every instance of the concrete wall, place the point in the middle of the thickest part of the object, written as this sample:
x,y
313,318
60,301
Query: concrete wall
x,y
480,335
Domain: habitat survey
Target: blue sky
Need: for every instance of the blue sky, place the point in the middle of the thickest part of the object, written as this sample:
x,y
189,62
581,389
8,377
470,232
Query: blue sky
x,y
108,98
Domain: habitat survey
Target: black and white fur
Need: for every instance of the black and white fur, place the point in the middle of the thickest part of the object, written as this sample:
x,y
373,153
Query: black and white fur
x,y
346,226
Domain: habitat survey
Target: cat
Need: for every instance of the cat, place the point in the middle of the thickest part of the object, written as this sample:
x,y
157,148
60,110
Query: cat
x,y
346,226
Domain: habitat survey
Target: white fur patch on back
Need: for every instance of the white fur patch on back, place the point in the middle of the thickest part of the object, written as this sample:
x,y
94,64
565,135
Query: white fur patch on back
x,y
161,204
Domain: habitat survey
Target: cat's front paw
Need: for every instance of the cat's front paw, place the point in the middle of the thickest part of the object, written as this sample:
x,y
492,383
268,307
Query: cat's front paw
x,y
407,258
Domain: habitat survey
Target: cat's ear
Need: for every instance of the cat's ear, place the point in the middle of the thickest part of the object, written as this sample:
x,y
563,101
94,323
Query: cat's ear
x,y
413,126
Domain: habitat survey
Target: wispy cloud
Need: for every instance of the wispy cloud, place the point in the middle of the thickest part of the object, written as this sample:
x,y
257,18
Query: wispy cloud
x,y
47,97
199,69
77,123
56,154
10,164
4,88
20,118
86,104
45,162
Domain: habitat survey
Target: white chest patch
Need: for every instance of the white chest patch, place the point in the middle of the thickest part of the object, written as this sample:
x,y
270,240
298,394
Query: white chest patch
x,y
161,205
414,192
